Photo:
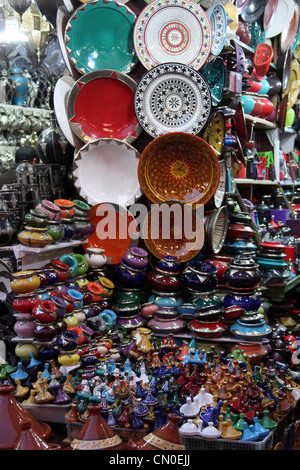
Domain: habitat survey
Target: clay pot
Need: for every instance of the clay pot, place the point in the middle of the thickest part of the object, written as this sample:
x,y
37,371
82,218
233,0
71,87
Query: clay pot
x,y
29,439
244,33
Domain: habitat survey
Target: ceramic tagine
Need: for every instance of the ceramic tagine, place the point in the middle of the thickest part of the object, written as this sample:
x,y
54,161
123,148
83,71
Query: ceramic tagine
x,y
21,86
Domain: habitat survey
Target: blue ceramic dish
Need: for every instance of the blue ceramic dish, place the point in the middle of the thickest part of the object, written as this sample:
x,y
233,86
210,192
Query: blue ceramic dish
x,y
255,331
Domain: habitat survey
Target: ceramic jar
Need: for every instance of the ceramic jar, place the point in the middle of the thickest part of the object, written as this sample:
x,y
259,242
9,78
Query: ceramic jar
x,y
76,298
25,282
95,257
44,332
136,257
200,276
207,329
45,311
24,304
66,208
128,276
221,263
67,341
82,264
250,330
72,263
81,208
249,301
36,218
242,272
83,228
69,229
24,329
34,237
161,325
48,207
55,230
61,269
166,277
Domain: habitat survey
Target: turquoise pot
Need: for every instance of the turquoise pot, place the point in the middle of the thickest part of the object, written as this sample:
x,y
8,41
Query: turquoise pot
x,y
247,331
72,263
248,103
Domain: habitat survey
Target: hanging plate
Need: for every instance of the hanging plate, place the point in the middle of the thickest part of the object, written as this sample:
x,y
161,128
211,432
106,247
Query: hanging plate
x,y
216,131
100,104
172,31
99,36
217,17
172,97
214,75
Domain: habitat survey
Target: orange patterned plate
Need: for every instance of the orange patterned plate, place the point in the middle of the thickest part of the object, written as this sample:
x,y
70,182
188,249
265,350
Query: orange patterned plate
x,y
179,167
173,229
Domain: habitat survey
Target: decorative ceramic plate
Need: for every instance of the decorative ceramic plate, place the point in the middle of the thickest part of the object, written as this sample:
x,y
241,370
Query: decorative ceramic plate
x,y
297,39
214,75
218,19
281,17
289,33
6,278
62,18
116,231
99,36
294,82
105,170
221,189
71,5
215,132
179,167
211,3
269,12
284,67
172,31
173,229
241,5
60,97
172,97
216,226
253,10
101,104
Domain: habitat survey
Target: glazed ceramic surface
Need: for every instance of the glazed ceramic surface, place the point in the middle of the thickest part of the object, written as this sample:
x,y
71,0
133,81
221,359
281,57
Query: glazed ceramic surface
x,y
221,189
218,19
293,86
214,132
281,17
179,167
214,75
253,10
60,96
289,33
62,18
173,30
116,230
171,235
91,38
171,97
216,226
104,165
100,104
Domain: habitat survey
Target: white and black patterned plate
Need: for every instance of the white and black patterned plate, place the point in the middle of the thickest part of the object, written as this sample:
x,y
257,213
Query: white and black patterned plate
x,y
172,98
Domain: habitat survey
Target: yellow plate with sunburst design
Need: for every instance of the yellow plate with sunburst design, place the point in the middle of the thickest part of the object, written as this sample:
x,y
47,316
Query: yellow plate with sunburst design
x,y
179,167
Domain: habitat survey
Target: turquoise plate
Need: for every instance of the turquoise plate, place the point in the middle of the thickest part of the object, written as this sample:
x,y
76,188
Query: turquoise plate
x,y
214,74
99,35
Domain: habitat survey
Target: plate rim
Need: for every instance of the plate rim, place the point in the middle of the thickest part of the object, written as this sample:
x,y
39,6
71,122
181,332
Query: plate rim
x,y
84,80
209,13
275,32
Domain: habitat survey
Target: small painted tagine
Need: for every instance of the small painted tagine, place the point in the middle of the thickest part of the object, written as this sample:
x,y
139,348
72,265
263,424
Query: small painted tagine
x,y
25,282
242,272
208,329
34,237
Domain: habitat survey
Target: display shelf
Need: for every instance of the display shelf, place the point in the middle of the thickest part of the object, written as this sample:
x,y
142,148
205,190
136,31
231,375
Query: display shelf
x,y
226,338
251,182
38,112
251,51
292,283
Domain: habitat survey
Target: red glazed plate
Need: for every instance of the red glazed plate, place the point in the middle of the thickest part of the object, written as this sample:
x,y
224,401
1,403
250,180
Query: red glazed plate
x,y
179,167
100,104
116,230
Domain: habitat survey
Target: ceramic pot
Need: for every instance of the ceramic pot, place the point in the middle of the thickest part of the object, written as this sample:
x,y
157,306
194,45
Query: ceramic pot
x,y
82,264
76,298
67,341
221,263
200,276
45,311
24,329
34,237
55,230
207,329
163,282
72,263
255,353
163,326
131,322
69,229
244,33
96,291
250,331
248,103
267,108
129,276
262,59
36,218
49,208
44,332
24,350
242,272
249,302
25,282
95,257
232,313
66,208
136,257
168,264
24,305
81,208
83,228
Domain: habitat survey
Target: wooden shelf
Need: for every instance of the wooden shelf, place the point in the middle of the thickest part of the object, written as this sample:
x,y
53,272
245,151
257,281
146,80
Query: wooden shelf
x,y
251,182
260,123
